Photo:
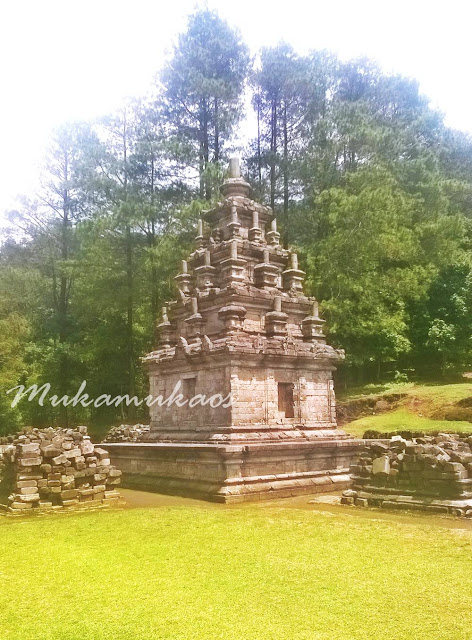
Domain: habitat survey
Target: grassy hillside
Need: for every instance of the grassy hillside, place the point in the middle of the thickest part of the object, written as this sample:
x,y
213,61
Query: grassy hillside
x,y
402,407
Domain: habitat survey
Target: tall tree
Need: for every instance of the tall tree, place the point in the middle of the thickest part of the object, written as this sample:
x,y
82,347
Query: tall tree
x,y
117,209
50,221
203,89
289,94
159,187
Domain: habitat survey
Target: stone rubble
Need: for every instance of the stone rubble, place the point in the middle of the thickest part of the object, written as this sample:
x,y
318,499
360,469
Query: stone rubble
x,y
127,433
431,473
54,468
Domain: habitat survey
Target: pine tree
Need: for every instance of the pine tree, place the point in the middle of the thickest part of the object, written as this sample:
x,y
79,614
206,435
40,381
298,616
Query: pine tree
x,y
203,89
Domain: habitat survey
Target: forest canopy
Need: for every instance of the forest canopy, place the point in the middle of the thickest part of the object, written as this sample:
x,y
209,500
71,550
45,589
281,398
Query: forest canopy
x,y
365,179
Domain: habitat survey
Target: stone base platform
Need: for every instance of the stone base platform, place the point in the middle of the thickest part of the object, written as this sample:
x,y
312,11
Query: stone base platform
x,y
93,505
459,507
236,472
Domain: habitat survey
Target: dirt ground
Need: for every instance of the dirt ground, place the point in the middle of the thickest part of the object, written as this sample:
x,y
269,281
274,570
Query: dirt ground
x,y
327,503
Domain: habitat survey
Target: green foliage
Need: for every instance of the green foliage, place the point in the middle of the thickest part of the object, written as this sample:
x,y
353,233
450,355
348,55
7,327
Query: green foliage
x,y
113,261
441,325
376,249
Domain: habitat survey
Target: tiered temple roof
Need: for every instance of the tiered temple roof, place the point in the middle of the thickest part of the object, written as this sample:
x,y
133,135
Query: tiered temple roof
x,y
240,291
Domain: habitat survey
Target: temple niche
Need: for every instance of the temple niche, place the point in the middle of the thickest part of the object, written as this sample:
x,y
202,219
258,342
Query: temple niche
x,y
242,326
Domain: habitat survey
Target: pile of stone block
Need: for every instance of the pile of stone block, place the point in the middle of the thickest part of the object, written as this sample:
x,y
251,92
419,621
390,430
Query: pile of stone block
x,y
408,434
432,473
127,433
53,469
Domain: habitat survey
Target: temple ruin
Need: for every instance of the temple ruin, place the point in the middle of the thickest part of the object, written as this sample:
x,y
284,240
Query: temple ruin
x,y
241,327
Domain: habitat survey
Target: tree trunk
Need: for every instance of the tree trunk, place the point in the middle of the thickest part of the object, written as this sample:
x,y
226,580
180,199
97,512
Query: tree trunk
x,y
129,278
201,154
217,134
259,158
285,167
154,288
360,375
129,314
63,293
152,245
273,151
206,147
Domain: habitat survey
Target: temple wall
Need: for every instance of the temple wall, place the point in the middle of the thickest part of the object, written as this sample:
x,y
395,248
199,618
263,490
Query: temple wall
x,y
256,396
193,382
317,398
249,391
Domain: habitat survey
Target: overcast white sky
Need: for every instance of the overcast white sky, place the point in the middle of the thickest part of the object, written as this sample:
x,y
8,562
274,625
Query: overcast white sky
x,y
64,60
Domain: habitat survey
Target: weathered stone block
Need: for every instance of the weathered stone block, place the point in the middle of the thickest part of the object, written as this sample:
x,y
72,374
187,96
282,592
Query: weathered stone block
x,y
32,497
50,451
69,494
109,495
26,483
70,502
73,453
23,506
27,449
28,490
86,492
381,466
29,462
87,448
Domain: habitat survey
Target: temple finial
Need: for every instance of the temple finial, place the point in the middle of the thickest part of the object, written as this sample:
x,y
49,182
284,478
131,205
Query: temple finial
x,y
235,185
234,170
199,240
273,236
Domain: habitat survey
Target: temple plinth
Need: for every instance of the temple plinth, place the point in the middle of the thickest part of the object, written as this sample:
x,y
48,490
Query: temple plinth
x,y
244,329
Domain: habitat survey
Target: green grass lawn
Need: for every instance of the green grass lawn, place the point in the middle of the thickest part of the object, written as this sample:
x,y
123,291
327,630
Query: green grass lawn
x,y
246,573
420,409
439,394
404,420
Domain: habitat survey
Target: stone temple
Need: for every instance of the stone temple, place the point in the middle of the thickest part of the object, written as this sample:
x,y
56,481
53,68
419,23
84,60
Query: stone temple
x,y
242,328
